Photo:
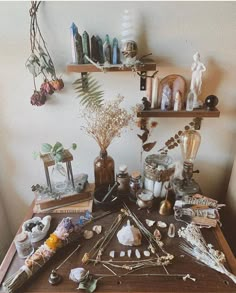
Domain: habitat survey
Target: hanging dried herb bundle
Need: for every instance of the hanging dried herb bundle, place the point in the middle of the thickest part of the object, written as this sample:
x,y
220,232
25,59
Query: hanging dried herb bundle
x,y
40,61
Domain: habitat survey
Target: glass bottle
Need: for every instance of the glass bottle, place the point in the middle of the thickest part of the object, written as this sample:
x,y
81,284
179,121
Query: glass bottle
x,y
123,179
135,185
59,177
104,170
23,245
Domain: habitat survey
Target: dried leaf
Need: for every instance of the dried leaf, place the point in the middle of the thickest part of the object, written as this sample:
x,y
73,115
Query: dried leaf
x,y
180,132
175,144
172,139
191,123
144,136
186,127
176,136
148,146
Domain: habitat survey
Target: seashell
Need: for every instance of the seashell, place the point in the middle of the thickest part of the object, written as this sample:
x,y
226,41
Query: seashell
x,y
161,224
157,234
171,231
88,234
77,274
129,252
146,253
122,253
112,253
129,235
97,229
150,223
137,253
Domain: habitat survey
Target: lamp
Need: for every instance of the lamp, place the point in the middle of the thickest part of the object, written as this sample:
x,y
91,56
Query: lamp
x,y
189,141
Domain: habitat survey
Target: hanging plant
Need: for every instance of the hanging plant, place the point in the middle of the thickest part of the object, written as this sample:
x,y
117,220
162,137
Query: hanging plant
x,y
40,62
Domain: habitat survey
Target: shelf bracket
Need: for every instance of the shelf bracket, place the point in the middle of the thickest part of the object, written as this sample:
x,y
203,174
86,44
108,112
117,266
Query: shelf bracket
x,y
197,123
84,77
143,79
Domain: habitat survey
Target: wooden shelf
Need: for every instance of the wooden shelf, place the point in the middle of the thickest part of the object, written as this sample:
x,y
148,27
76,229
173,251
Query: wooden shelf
x,y
181,114
93,68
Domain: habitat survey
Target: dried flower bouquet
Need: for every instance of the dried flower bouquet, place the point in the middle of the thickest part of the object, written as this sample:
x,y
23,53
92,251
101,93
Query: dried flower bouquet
x,y
105,123
197,247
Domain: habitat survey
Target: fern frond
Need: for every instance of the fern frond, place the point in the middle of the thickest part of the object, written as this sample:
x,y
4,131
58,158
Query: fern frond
x,y
92,95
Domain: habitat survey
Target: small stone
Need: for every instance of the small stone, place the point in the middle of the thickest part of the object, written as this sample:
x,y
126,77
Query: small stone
x,y
157,234
112,253
146,253
161,224
88,234
150,223
137,253
171,231
129,252
97,229
122,253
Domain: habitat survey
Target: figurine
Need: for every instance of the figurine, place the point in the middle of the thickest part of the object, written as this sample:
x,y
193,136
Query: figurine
x,y
196,83
146,103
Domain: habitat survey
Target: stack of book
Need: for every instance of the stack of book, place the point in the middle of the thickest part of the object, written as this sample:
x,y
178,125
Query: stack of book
x,y
74,203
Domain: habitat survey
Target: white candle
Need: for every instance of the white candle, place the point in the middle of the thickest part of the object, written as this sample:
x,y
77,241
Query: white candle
x,y
149,89
155,85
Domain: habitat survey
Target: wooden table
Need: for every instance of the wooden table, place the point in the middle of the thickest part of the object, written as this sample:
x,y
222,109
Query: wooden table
x,y
207,280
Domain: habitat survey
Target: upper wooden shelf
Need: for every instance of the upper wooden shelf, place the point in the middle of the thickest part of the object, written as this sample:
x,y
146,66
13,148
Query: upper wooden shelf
x,y
183,113
93,68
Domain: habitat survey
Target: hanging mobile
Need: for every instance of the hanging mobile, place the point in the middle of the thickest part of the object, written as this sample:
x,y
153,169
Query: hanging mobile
x,y
55,278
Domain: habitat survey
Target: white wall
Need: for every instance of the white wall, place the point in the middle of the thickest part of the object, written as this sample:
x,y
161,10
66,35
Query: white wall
x,y
172,31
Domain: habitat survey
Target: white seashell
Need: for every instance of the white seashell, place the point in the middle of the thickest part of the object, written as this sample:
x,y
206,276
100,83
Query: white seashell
x,y
129,235
129,252
97,229
161,224
88,234
112,253
146,253
122,253
137,253
77,274
171,231
157,234
150,223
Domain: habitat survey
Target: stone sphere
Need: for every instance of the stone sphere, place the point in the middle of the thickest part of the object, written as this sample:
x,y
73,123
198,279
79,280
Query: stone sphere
x,y
211,102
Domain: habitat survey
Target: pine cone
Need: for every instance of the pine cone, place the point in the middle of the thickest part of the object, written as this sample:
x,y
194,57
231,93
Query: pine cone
x,y
38,99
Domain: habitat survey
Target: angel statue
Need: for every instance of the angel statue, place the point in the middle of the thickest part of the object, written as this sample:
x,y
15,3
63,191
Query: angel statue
x,y
196,82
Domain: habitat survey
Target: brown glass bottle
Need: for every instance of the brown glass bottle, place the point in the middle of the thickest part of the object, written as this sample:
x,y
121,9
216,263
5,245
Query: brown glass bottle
x,y
104,170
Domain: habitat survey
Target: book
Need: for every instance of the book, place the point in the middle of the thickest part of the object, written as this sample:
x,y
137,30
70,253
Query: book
x,y
76,208
48,204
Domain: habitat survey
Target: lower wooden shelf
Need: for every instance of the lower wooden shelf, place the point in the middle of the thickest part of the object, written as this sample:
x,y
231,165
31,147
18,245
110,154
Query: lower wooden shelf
x,y
181,114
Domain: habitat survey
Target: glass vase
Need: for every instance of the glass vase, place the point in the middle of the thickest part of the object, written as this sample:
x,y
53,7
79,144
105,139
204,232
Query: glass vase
x,y
59,178
104,170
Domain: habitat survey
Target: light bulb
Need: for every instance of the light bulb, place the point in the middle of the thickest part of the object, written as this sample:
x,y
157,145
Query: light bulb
x,y
189,142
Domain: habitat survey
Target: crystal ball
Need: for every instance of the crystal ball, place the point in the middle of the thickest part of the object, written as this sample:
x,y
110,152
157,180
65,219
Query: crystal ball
x,y
211,101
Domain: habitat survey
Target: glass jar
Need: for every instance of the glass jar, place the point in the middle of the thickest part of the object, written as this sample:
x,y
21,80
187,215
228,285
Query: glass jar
x,y
59,178
123,179
154,172
135,185
23,245
104,170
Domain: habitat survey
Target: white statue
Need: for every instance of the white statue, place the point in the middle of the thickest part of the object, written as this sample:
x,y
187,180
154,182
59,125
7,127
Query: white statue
x,y
196,83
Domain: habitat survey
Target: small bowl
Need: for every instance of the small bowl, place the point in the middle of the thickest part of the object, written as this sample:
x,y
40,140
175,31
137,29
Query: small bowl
x,y
145,199
111,203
